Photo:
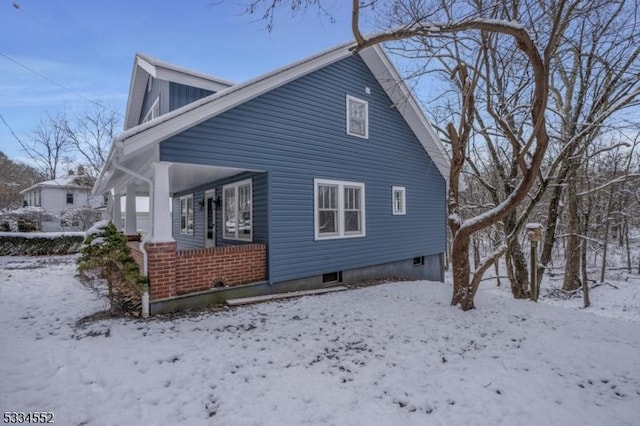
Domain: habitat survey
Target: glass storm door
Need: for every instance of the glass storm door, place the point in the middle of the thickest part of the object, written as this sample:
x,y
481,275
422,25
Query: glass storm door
x,y
210,218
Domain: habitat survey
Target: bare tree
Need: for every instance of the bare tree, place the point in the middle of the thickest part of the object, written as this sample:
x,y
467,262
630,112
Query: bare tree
x,y
59,141
90,135
499,22
595,80
48,147
479,40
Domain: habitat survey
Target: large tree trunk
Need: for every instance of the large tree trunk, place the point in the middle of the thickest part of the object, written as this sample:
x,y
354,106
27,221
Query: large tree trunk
x,y
573,248
519,271
583,260
553,215
461,270
607,226
515,261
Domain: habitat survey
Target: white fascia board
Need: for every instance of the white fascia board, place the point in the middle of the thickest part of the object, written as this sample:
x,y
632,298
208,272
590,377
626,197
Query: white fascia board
x,y
170,72
106,173
195,113
29,189
137,89
404,101
145,65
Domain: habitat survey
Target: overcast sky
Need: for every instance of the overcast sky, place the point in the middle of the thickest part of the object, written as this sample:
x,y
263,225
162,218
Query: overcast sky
x,y
60,55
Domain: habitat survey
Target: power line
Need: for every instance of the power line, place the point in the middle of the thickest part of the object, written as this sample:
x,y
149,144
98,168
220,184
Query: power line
x,y
11,130
15,61
54,31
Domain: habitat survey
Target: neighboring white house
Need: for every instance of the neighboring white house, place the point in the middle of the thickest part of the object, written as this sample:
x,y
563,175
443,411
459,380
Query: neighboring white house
x,y
57,196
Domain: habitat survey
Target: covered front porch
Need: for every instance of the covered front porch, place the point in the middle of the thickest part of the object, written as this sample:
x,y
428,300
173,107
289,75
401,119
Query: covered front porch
x,y
206,233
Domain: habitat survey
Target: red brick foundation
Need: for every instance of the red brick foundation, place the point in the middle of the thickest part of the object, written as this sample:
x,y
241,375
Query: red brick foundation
x,y
172,272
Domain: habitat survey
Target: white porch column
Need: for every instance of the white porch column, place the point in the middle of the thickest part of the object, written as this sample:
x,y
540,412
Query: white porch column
x,y
131,223
116,213
160,208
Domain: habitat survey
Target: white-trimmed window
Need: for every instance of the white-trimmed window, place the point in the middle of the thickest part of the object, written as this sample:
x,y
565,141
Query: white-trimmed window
x,y
69,197
186,214
237,211
153,112
357,117
399,195
338,209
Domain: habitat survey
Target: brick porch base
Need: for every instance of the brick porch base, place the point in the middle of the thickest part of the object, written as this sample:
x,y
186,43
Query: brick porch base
x,y
175,272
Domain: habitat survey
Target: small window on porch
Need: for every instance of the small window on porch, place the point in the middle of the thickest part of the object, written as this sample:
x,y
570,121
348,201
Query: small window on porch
x,y
186,215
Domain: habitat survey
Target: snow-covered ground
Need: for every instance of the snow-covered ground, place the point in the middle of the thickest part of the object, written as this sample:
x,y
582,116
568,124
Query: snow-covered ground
x,y
393,354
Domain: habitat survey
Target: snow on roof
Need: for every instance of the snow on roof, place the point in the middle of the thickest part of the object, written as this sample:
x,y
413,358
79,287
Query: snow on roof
x,y
64,182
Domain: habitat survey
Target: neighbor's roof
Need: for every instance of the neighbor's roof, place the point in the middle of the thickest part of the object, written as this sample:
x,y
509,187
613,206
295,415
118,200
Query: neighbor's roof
x,y
64,182
161,128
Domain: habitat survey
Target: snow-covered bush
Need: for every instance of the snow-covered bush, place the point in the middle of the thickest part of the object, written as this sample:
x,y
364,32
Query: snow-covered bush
x,y
79,218
24,219
105,259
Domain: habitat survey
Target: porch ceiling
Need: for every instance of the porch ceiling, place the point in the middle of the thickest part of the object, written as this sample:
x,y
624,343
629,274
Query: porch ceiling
x,y
185,176
182,176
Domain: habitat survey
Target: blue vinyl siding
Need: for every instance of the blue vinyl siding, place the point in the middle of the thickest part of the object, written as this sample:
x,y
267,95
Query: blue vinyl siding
x,y
297,133
259,193
181,95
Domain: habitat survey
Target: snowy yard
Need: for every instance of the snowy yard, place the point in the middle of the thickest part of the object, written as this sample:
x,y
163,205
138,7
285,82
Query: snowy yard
x,y
393,354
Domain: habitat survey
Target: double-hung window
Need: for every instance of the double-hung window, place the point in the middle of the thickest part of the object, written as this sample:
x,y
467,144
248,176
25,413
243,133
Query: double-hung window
x,y
69,197
338,209
186,214
357,117
237,211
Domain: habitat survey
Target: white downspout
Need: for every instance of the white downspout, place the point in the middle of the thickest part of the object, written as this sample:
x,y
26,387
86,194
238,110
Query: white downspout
x,y
145,267
145,258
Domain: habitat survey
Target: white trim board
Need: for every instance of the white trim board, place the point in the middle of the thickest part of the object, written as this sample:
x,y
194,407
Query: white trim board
x,y
279,296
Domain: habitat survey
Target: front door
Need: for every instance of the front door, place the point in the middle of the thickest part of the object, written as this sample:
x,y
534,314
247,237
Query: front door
x,y
210,218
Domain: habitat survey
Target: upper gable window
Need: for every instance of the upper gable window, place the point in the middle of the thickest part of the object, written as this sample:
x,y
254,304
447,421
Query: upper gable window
x,y
357,117
153,112
399,200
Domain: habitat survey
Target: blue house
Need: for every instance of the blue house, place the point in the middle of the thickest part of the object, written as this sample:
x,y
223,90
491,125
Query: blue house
x,y
322,172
